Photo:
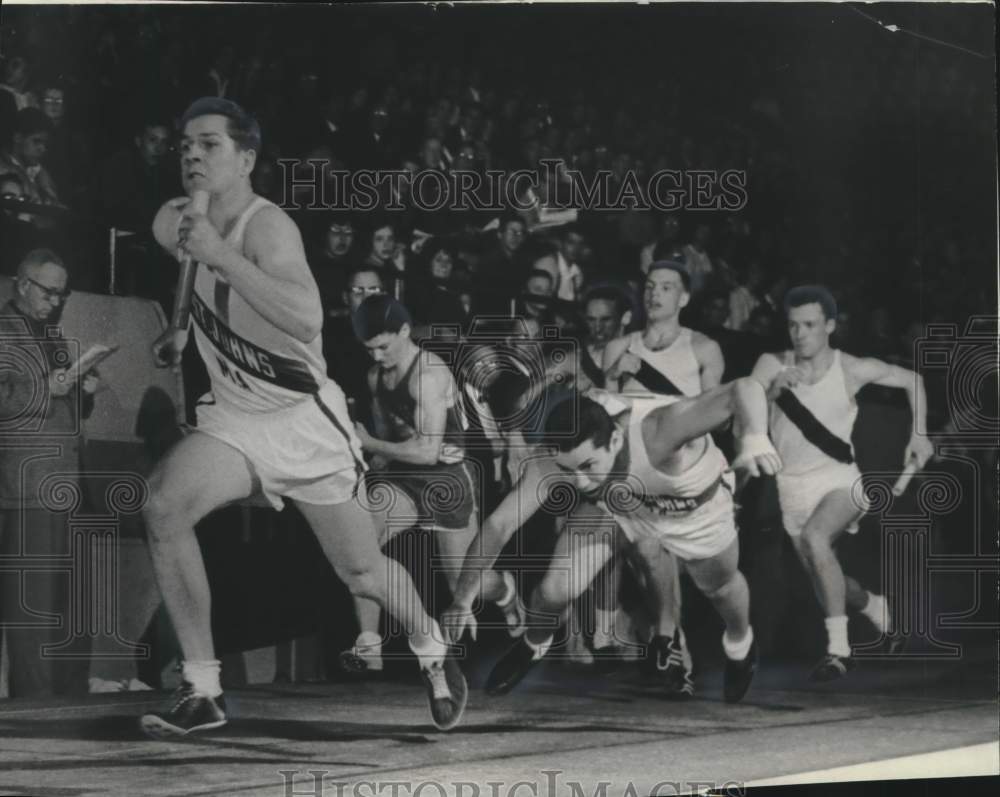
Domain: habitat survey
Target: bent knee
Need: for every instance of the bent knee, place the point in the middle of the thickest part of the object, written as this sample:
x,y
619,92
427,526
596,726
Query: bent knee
x,y
815,542
168,510
725,587
363,582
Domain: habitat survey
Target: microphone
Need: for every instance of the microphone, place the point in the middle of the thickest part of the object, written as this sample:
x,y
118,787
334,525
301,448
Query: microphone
x,y
189,268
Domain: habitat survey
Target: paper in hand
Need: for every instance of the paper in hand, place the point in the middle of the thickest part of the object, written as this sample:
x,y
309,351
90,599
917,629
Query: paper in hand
x,y
93,357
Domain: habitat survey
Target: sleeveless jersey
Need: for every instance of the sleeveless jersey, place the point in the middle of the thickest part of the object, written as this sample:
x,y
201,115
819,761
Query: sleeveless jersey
x,y
832,405
253,365
677,362
401,414
651,495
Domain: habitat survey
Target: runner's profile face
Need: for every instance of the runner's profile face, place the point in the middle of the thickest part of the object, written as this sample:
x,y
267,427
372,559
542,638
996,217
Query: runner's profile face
x,y
387,349
589,466
809,329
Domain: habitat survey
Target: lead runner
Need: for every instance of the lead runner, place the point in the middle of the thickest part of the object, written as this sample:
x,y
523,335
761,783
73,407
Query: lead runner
x,y
273,422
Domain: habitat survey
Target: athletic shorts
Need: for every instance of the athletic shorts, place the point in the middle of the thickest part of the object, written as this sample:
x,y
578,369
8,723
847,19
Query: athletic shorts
x,y
699,534
444,495
800,494
307,452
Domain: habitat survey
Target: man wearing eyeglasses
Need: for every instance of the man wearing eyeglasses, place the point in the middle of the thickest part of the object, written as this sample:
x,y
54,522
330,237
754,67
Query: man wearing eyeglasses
x,y
40,412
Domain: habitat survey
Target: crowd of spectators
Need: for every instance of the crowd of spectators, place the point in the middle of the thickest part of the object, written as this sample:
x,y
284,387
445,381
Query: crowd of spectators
x,y
89,101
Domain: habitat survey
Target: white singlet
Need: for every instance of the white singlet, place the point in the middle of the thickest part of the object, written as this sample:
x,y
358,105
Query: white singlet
x,y
808,474
254,366
677,362
690,513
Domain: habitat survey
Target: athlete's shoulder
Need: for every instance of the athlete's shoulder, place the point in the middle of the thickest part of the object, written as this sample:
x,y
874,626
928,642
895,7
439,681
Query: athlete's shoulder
x,y
265,213
700,342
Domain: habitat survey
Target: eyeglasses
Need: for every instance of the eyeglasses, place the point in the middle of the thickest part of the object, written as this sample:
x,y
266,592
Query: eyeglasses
x,y
8,197
366,291
51,294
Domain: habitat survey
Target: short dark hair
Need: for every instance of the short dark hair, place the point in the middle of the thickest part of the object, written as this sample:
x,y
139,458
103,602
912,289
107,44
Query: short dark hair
x,y
151,117
569,229
507,396
341,219
608,293
539,272
668,250
242,128
379,223
507,217
379,314
673,265
30,121
364,268
574,421
812,294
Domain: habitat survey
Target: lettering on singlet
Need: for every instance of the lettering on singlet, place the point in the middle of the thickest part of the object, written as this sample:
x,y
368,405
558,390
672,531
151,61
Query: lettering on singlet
x,y
249,357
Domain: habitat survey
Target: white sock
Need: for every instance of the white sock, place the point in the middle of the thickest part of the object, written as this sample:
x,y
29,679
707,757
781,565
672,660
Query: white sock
x,y
430,648
368,639
877,610
836,634
738,649
604,627
203,676
540,649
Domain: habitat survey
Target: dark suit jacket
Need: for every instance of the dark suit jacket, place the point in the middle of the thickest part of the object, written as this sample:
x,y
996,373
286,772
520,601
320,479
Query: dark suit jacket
x,y
40,434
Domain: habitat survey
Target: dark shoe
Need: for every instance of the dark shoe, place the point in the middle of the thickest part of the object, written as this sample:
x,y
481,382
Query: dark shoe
x,y
831,668
738,675
362,658
510,670
447,692
514,613
187,712
668,659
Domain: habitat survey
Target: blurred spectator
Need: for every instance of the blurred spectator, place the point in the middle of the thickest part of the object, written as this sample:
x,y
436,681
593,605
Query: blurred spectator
x,y
699,264
383,252
18,234
333,259
570,285
744,297
14,94
538,283
59,155
434,299
347,359
765,325
375,146
607,314
29,144
663,246
131,186
498,274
